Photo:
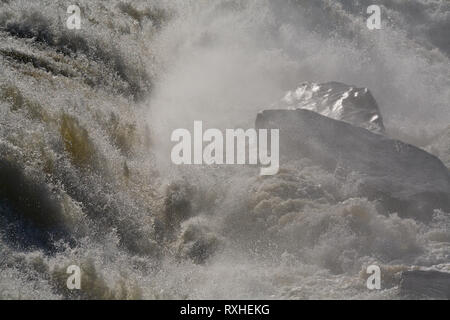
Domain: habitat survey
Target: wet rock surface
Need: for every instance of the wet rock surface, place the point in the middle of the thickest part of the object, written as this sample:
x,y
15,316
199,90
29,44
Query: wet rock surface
x,y
338,101
404,178
426,283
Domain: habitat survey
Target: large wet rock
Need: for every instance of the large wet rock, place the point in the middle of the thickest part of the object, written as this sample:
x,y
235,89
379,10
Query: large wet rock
x,y
404,178
338,101
426,283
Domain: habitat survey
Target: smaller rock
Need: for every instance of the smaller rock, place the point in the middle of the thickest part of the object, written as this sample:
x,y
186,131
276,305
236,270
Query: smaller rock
x,y
338,101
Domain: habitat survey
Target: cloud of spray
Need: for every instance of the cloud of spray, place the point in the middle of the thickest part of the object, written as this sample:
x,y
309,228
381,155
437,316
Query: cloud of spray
x,y
222,61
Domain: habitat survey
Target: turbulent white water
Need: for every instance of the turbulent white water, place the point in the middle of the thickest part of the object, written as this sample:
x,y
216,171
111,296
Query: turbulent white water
x,y
85,170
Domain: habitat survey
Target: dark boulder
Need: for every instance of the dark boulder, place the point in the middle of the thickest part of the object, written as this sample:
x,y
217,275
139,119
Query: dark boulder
x,y
425,283
404,178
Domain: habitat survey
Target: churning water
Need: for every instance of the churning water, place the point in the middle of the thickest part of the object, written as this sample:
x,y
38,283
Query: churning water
x,y
85,171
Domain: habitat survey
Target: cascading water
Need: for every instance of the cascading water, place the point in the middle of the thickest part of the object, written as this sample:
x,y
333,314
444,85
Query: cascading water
x,y
85,171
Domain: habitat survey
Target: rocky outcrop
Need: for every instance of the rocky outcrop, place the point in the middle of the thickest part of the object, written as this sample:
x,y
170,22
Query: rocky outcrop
x,y
338,101
425,283
404,178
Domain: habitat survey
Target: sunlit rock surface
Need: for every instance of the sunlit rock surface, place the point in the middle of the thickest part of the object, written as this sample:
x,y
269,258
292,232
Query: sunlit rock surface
x,y
337,101
404,178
